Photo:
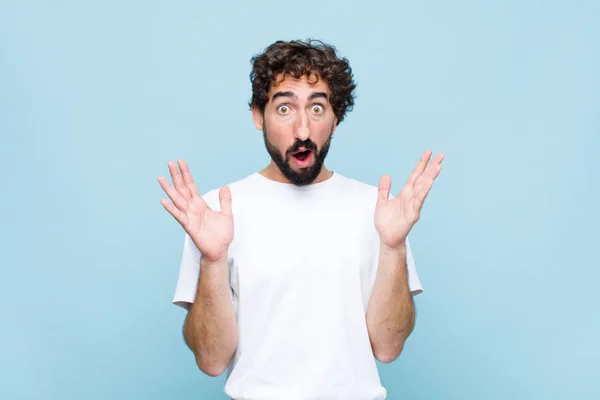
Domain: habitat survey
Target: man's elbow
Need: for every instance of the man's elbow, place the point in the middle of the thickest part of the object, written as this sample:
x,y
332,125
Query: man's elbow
x,y
212,369
209,363
389,355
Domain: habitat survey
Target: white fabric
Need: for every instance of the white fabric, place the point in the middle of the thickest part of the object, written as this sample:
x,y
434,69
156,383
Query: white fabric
x,y
301,269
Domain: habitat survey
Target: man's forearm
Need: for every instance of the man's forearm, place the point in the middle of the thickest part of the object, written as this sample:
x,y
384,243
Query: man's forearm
x,y
210,329
390,314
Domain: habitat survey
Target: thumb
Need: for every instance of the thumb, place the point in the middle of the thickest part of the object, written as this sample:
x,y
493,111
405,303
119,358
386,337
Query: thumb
x,y
385,183
225,200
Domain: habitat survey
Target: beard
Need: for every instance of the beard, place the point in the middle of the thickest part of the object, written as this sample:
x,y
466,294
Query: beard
x,y
306,176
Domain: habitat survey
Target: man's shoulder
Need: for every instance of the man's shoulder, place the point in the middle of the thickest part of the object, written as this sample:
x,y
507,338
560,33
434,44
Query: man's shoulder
x,y
366,190
240,185
356,187
355,183
346,186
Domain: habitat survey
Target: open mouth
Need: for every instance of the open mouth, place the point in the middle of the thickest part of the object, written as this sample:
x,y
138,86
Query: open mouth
x,y
302,155
302,158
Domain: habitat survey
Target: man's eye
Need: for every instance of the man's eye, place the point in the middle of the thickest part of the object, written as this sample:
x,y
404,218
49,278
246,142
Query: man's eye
x,y
283,109
317,109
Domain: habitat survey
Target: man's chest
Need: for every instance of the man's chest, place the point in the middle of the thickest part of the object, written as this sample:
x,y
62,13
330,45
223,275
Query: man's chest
x,y
295,249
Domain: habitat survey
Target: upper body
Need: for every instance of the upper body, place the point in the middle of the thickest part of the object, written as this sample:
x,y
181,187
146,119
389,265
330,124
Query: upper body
x,y
297,278
301,268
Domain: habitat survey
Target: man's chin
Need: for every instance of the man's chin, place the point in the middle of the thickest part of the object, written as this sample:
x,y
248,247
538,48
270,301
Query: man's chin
x,y
303,177
303,172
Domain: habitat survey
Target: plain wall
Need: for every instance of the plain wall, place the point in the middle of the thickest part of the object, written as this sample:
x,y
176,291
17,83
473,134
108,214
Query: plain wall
x,y
96,97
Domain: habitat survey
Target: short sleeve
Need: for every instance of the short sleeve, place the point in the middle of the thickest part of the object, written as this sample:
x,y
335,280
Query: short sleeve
x,y
189,267
189,271
414,283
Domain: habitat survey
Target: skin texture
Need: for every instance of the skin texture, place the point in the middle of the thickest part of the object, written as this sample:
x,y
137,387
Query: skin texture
x,y
298,111
391,313
297,116
210,329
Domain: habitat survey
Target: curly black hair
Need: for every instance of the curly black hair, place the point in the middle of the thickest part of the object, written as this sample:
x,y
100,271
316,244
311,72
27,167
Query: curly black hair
x,y
298,58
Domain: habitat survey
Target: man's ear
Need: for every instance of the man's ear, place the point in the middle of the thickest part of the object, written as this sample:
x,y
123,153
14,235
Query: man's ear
x,y
258,118
335,124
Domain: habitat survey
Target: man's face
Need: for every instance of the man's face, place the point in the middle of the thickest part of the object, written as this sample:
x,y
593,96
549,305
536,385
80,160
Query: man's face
x,y
297,124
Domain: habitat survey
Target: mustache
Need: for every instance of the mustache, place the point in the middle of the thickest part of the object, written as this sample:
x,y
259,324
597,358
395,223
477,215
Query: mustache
x,y
307,144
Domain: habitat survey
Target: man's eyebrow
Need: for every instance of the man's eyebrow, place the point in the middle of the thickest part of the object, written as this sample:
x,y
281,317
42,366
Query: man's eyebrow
x,y
318,95
283,94
291,95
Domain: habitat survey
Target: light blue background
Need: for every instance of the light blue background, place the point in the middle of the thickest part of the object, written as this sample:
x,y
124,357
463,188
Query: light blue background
x,y
96,97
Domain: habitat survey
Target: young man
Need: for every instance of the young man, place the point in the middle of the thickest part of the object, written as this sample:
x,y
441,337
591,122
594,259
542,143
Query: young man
x,y
296,278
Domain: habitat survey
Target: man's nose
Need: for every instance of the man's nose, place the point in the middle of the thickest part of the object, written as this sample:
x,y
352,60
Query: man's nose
x,y
302,128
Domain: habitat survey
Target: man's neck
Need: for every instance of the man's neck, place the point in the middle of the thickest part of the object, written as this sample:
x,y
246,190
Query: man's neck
x,y
272,172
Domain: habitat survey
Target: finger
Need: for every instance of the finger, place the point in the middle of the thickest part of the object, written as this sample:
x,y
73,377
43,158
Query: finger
x,y
178,181
430,174
432,170
179,201
225,200
188,180
419,168
422,195
425,188
174,211
383,189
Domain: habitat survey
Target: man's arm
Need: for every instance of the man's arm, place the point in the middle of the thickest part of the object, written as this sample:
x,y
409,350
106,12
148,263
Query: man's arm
x,y
210,329
391,313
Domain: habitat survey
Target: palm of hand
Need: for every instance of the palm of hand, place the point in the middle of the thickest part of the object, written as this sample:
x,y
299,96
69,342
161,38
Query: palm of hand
x,y
210,230
395,218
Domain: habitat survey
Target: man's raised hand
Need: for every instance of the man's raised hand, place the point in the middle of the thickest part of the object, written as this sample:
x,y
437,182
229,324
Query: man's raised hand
x,y
395,218
211,231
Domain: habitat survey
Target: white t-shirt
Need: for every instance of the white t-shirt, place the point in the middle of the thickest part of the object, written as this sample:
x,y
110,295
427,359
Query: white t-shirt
x,y
301,268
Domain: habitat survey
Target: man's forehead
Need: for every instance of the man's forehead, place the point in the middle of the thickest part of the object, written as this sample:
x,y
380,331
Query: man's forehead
x,y
298,87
